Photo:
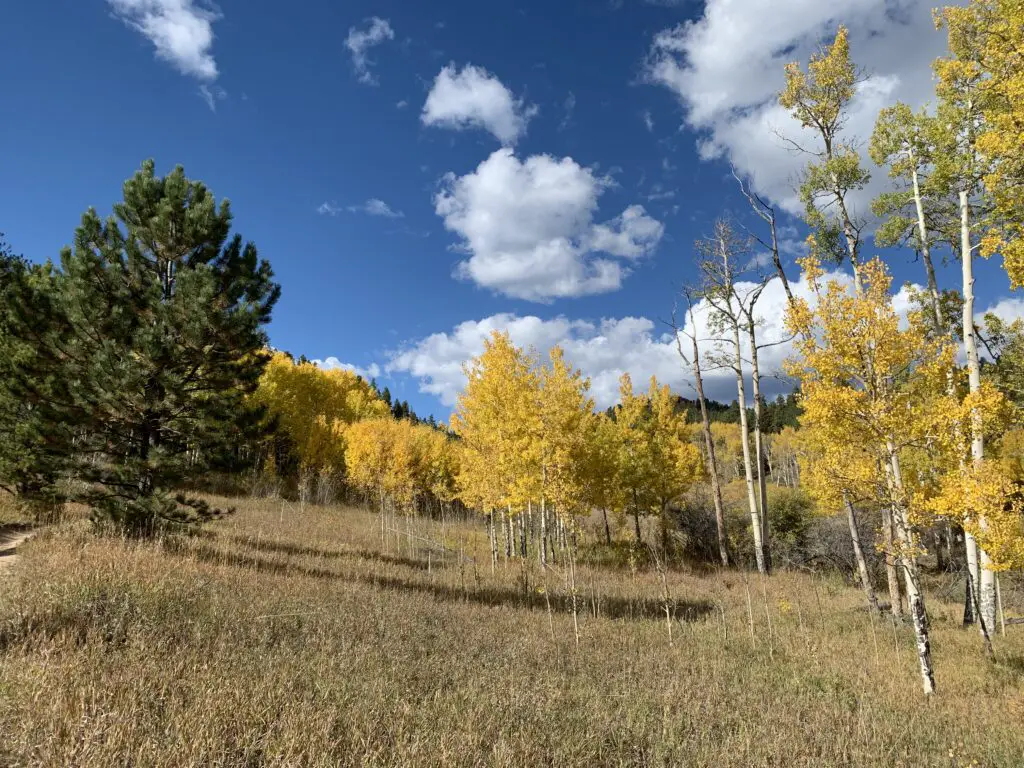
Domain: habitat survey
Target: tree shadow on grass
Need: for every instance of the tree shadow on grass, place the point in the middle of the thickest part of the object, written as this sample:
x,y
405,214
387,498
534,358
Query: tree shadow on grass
x,y
301,550
533,599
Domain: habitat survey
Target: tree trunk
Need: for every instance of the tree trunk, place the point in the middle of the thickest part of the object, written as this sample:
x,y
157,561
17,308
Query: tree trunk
x,y
506,526
911,576
636,524
493,533
542,550
986,576
891,572
522,535
709,444
748,470
762,485
607,528
926,251
858,553
940,551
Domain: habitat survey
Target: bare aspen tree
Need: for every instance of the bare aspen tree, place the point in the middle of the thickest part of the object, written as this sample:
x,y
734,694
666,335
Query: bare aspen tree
x,y
767,213
750,324
717,261
709,441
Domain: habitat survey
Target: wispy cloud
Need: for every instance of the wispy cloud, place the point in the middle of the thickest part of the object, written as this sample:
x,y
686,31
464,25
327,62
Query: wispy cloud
x,y
376,207
211,95
329,209
360,41
180,30
568,107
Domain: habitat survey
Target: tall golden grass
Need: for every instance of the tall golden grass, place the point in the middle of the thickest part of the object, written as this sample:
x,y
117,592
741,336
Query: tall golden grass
x,y
292,637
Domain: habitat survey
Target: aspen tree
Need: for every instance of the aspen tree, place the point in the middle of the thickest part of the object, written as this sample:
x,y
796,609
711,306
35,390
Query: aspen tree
x,y
634,461
890,402
961,168
601,474
819,98
313,406
718,257
496,419
709,443
988,37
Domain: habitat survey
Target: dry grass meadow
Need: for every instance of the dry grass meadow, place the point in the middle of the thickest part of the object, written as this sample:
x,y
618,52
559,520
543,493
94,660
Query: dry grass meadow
x,y
291,637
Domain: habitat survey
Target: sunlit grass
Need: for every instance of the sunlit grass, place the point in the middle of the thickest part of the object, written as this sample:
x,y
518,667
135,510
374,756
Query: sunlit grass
x,y
290,636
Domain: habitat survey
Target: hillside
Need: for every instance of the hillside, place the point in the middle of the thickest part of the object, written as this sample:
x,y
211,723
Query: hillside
x,y
289,636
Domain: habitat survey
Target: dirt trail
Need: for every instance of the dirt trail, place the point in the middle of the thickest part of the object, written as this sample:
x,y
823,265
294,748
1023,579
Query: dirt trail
x,y
10,540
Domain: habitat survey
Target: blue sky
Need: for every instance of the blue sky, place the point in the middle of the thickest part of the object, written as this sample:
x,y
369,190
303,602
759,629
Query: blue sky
x,y
419,173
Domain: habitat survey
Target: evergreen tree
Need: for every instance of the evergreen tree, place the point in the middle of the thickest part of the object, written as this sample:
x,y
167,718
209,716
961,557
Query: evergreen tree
x,y
154,338
26,469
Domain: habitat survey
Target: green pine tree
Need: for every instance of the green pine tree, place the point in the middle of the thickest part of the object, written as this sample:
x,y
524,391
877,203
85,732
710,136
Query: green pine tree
x,y
157,336
28,469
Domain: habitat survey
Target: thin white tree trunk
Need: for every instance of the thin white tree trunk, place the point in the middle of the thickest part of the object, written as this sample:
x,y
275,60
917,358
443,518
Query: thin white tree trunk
x,y
542,550
858,553
762,485
891,572
986,583
926,250
709,444
911,575
492,531
748,470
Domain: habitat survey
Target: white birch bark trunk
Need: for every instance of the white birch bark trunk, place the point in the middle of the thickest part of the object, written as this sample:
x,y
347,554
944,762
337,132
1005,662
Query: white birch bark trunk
x,y
986,583
858,553
911,575
542,550
748,470
762,485
891,572
709,444
926,250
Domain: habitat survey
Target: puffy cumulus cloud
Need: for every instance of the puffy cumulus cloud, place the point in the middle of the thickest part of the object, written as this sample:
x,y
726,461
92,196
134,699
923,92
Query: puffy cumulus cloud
x,y
1006,309
474,98
528,227
726,68
606,349
360,41
371,371
180,30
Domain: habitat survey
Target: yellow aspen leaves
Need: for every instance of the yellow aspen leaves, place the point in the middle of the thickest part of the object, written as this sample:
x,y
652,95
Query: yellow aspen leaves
x,y
312,406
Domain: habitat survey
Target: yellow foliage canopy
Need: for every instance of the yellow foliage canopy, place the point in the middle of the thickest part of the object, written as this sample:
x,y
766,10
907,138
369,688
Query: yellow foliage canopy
x,y
313,406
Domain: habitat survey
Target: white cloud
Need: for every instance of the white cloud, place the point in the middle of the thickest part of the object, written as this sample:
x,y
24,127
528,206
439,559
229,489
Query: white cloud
x,y
329,209
402,104
528,227
568,107
360,41
726,68
1006,309
606,349
474,98
371,371
375,207
180,30
211,96
629,235
648,121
